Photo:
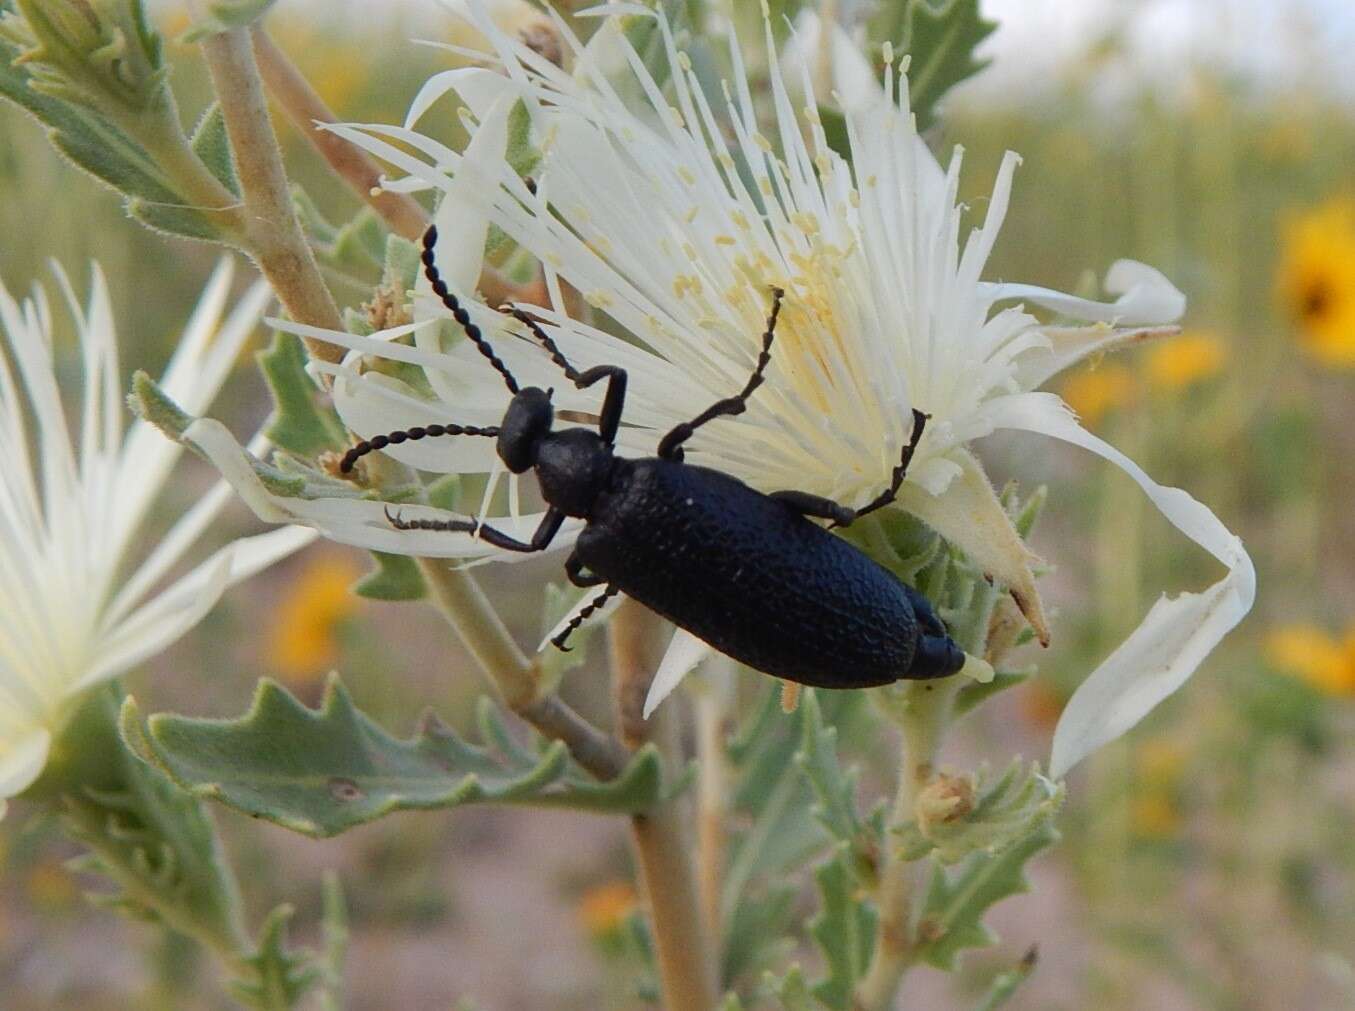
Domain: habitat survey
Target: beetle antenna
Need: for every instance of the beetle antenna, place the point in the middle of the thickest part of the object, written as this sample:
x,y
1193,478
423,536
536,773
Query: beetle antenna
x,y
409,435
440,289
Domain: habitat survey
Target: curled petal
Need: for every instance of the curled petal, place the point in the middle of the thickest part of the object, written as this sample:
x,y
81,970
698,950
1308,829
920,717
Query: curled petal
x,y
1069,345
1147,298
1178,632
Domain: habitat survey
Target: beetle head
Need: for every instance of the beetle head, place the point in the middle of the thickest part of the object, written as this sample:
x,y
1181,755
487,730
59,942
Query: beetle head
x,y
527,421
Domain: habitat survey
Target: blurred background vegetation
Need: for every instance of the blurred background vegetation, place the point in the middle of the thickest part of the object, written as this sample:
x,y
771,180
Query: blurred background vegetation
x,y
1207,859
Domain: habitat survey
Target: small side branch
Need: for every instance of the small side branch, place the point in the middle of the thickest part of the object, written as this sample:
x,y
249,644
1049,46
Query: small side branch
x,y
272,233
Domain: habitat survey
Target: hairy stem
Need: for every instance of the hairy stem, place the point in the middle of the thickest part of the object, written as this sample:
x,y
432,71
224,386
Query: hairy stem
x,y
272,233
306,109
924,719
459,597
686,954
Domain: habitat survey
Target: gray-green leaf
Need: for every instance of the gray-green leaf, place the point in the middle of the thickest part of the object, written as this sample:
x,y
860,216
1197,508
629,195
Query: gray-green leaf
x,y
321,772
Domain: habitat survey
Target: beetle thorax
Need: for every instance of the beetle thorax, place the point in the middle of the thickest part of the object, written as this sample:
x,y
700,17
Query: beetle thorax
x,y
573,467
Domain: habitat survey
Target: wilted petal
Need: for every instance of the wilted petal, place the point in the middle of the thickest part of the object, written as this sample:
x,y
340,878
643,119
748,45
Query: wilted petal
x,y
1177,634
969,515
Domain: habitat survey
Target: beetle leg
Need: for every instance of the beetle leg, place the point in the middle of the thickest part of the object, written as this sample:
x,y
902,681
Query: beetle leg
x,y
926,614
900,472
559,641
574,570
545,531
670,447
817,506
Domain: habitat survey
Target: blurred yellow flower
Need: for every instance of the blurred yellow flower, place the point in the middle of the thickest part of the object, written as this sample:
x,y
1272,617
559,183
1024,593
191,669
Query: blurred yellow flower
x,y
1183,361
1154,808
1154,815
1314,655
337,64
1160,762
603,909
303,640
1315,281
1095,392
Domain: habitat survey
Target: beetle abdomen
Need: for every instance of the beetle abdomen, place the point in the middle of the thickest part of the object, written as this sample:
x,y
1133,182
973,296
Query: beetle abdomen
x,y
750,576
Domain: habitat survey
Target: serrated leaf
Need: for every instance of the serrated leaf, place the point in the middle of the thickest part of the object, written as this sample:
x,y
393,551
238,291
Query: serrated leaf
x,y
302,422
274,976
844,930
1005,809
213,147
954,907
758,933
940,38
321,772
1005,985
834,791
791,989
395,578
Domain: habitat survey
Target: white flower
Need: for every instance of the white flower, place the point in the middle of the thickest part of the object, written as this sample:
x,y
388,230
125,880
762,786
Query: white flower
x,y
676,221
76,578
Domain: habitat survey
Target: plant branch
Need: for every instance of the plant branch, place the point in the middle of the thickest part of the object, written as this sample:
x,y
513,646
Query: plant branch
x,y
924,718
305,108
712,714
272,233
687,964
459,597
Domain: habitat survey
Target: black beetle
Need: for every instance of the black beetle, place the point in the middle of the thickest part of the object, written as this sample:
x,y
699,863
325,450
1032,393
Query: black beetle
x,y
744,571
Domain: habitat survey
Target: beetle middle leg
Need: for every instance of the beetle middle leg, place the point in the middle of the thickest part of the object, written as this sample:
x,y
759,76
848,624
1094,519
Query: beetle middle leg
x,y
900,472
574,570
807,504
559,640
670,447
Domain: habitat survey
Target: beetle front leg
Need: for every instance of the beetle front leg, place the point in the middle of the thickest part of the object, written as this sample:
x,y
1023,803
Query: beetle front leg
x,y
563,637
541,538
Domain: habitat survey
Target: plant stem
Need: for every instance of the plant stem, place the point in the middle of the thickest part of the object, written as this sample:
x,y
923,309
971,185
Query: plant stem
x,y
272,233
305,108
712,793
459,597
924,719
687,966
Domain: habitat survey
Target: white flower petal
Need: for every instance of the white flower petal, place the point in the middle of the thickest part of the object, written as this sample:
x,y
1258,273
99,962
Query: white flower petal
x,y
1069,345
1147,298
836,66
21,760
684,652
1177,633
